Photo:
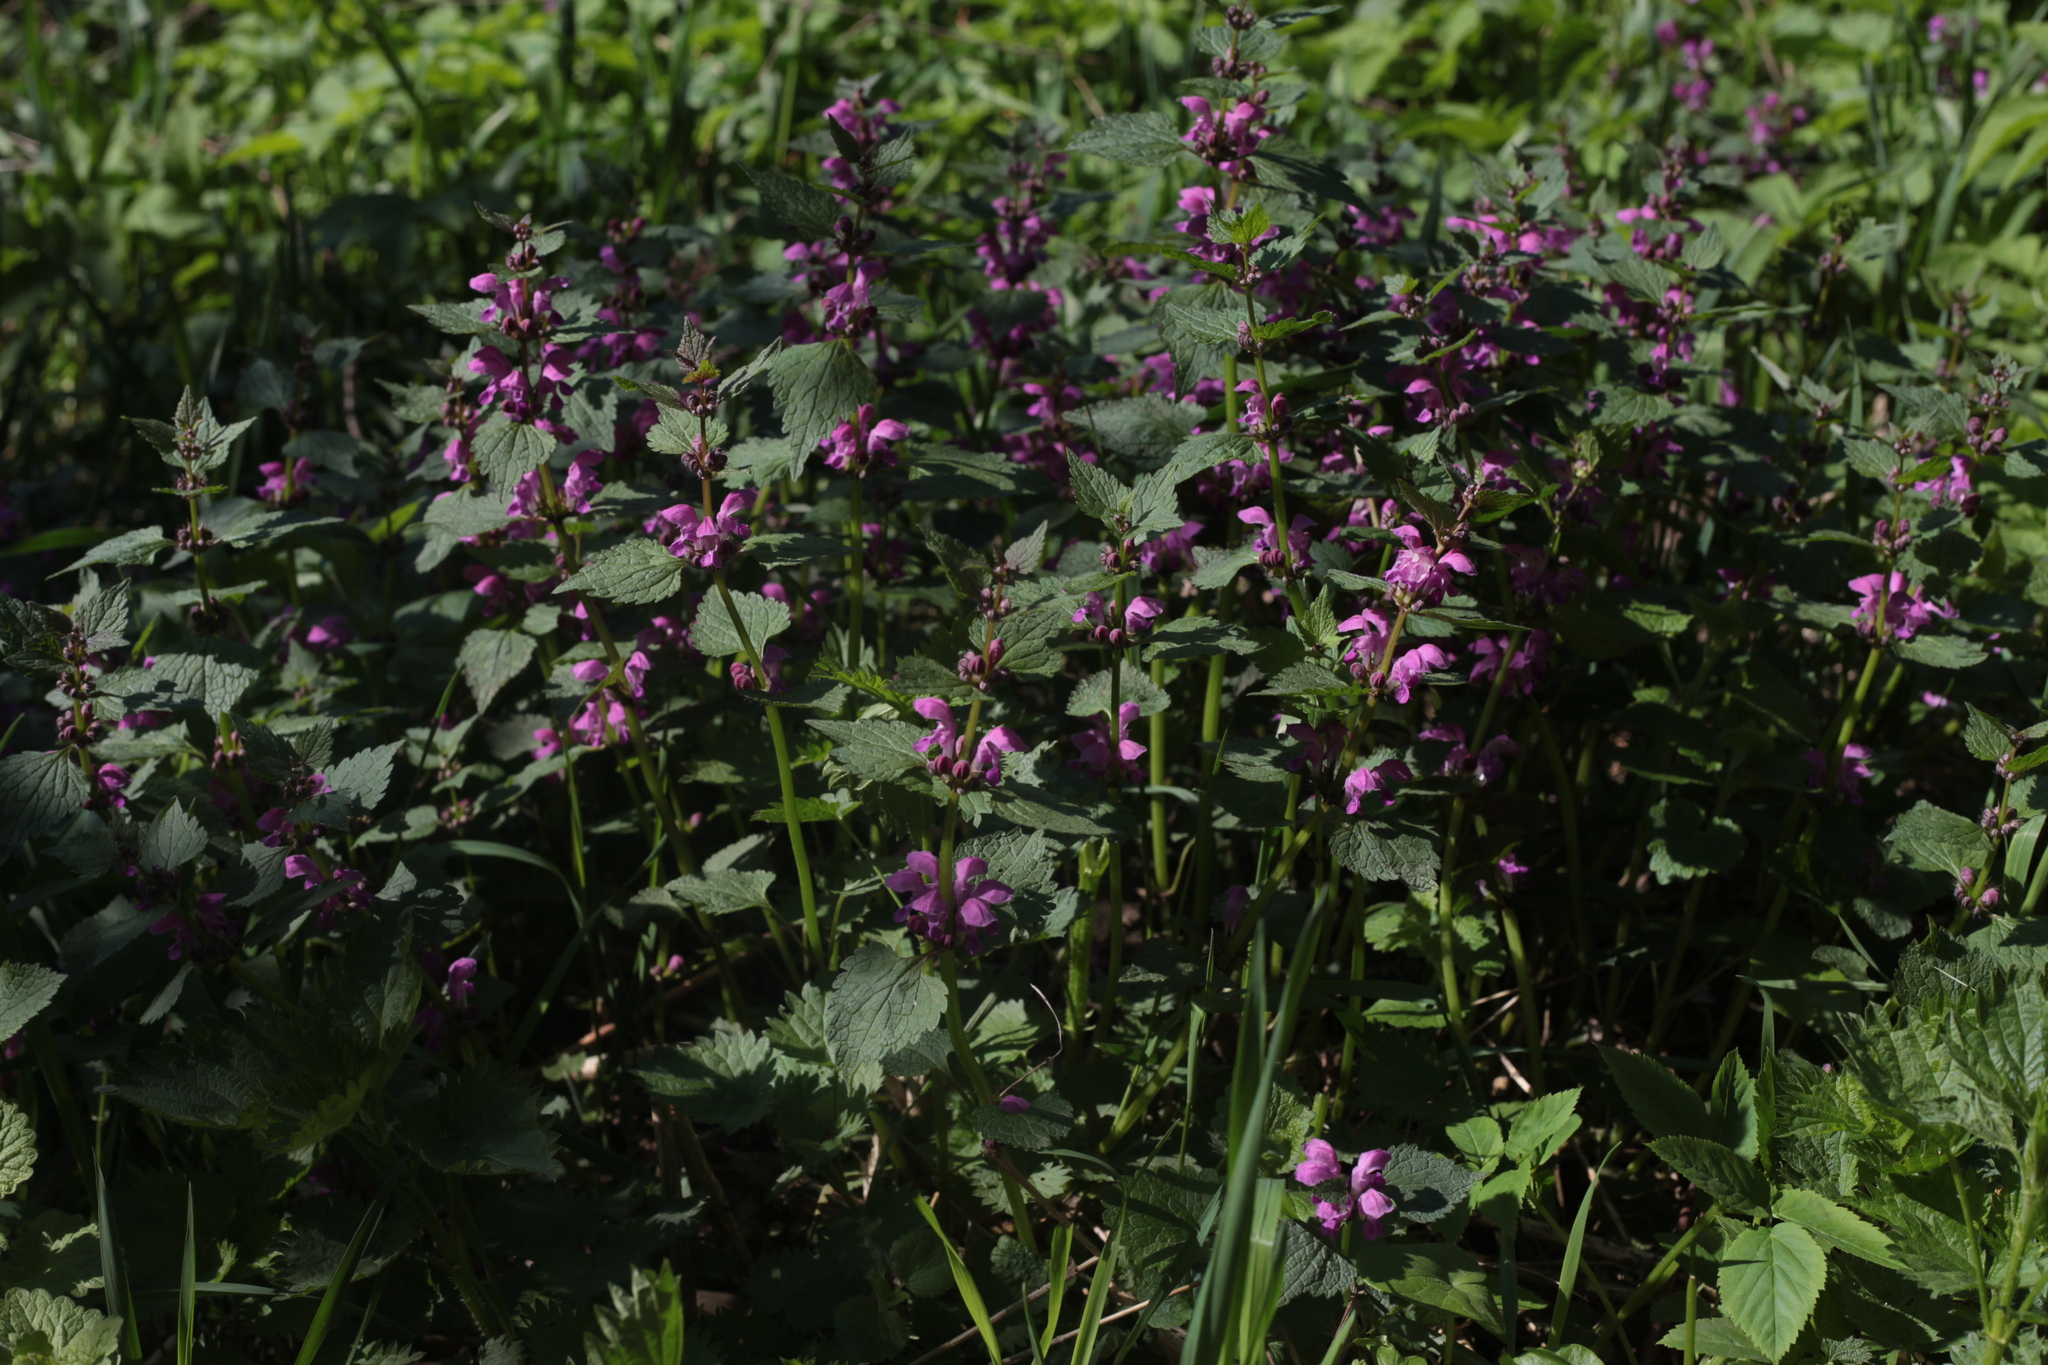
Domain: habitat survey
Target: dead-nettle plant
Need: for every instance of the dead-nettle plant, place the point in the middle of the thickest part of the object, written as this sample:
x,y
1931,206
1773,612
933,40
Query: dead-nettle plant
x,y
1038,776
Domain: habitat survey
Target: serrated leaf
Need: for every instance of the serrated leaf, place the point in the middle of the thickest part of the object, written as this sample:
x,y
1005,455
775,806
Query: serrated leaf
x,y
214,675
717,636
723,891
1388,853
1687,844
484,1120
37,789
1931,839
364,776
175,838
636,571
71,1333
1836,1226
1542,1127
130,547
504,450
1660,1101
1715,1337
817,387
17,1148
726,1078
1770,1280
1722,1174
1942,651
1036,1129
805,209
456,319
879,1004
1142,139
489,659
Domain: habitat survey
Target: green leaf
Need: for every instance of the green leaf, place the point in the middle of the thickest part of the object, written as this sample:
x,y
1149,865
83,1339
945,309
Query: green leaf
x,y
1931,839
1836,1226
1426,1186
1686,843
17,1149
726,1078
213,674
817,387
1387,853
26,990
643,1325
805,209
1142,139
1717,1170
1985,736
466,513
1770,1280
1436,1274
723,891
1157,1223
131,547
1543,1126
174,839
717,636
64,1332
456,319
37,789
364,776
1036,1129
1942,651
56,1251
1660,1101
636,571
505,451
484,1120
1715,1337
880,1003
489,659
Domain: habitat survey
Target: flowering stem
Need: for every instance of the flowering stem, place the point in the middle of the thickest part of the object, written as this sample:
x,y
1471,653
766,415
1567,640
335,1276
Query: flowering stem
x,y
856,572
956,1033
1156,734
813,934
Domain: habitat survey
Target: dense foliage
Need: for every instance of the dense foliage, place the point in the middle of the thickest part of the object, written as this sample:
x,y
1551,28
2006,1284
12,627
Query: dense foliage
x,y
1023,684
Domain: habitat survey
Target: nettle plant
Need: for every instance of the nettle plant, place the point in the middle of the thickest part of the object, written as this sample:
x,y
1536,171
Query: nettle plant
x,y
969,744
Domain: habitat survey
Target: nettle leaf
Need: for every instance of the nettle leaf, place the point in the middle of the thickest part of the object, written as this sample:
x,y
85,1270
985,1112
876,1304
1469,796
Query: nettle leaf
x,y
1836,1226
1770,1280
364,776
1037,1129
131,547
1543,1126
456,319
717,635
175,838
26,990
1157,1223
1197,637
1425,1185
489,659
1715,1337
723,891
1312,1265
1942,651
636,571
213,674
805,209
485,1120
41,1328
1660,1101
466,513
1686,843
17,1149
1722,1174
505,451
1388,853
880,1003
1142,139
817,387
873,750
37,790
1931,839
1986,737
1436,1274
727,1078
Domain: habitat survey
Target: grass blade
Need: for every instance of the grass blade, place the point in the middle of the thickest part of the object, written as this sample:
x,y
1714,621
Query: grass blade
x,y
1091,1311
963,1279
345,1273
119,1299
1056,1290
188,1297
1574,1252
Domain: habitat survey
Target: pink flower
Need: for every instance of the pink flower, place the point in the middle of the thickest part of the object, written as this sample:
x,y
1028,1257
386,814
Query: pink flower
x,y
943,747
111,779
1366,1187
1112,758
1422,573
461,982
1367,648
547,742
1848,778
1367,781
863,444
1013,1104
1174,550
772,659
1319,1163
212,918
272,489
1141,613
1411,666
590,672
1236,901
1891,610
328,634
960,924
1525,666
707,542
1272,558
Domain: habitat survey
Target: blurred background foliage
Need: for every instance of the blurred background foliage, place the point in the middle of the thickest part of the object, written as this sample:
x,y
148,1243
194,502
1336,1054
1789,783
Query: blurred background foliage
x,y
186,187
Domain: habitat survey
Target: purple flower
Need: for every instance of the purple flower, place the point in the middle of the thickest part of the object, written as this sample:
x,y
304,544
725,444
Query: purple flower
x,y
272,489
1112,758
1319,1163
960,924
1236,901
943,747
707,542
1891,610
1141,613
863,444
1366,1187
1271,557
212,918
1366,781
745,679
1848,778
1321,745
1422,573
1366,650
461,983
590,672
1525,667
1174,550
329,633
1013,1104
1411,666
